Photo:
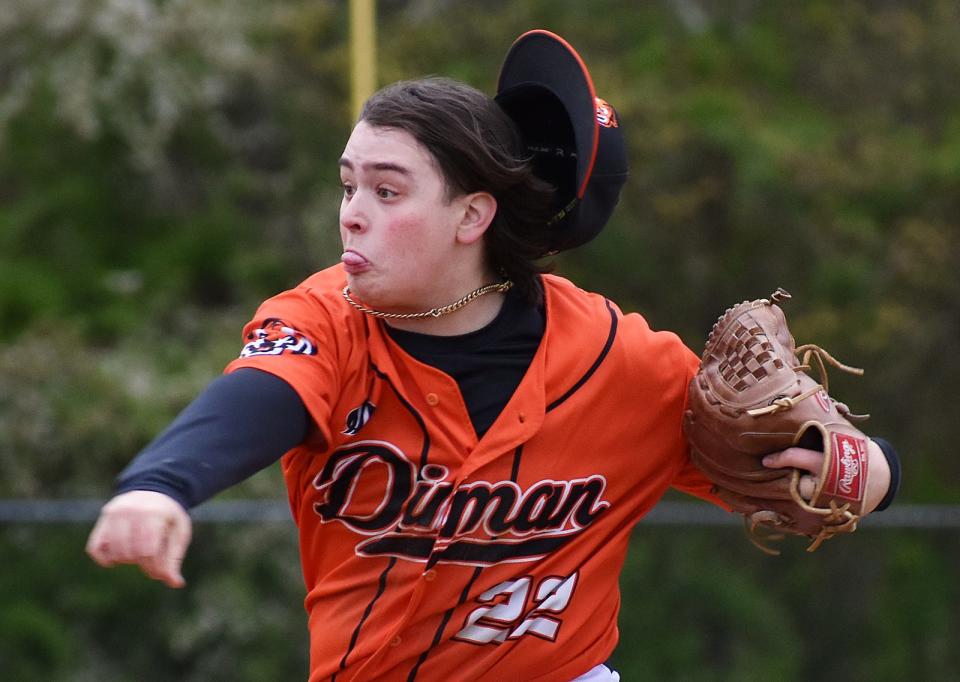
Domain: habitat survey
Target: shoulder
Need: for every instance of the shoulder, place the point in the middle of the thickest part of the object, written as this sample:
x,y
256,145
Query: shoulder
x,y
316,300
575,313
322,289
310,315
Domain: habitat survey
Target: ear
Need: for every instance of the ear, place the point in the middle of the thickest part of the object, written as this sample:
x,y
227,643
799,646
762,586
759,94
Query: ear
x,y
479,208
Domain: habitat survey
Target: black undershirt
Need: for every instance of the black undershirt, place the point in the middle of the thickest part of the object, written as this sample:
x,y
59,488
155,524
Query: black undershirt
x,y
487,364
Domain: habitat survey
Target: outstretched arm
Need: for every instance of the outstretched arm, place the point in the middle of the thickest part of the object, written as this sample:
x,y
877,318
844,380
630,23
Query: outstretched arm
x,y
241,423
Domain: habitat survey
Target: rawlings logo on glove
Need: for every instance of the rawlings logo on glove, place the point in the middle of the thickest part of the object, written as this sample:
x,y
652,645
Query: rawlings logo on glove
x,y
751,397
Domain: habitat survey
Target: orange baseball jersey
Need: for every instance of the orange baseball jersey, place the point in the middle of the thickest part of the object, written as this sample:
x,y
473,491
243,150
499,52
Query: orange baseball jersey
x,y
430,555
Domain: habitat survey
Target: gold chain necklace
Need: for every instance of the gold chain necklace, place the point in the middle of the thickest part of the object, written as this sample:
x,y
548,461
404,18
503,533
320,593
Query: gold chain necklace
x,y
501,287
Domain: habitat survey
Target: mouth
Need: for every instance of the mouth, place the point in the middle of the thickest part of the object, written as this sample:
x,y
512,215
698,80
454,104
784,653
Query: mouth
x,y
353,262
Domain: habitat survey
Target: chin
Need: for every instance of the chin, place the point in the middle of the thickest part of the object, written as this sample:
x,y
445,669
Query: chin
x,y
357,287
366,291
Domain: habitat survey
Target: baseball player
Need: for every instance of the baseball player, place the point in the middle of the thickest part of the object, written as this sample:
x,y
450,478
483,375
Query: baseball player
x,y
467,442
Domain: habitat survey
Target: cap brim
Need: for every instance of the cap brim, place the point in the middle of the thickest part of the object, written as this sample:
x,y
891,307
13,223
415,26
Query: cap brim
x,y
544,60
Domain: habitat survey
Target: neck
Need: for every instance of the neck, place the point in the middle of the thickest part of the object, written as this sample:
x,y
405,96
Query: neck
x,y
473,316
468,303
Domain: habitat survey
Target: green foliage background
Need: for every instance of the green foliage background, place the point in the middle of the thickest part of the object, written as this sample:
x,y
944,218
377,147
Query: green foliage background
x,y
164,166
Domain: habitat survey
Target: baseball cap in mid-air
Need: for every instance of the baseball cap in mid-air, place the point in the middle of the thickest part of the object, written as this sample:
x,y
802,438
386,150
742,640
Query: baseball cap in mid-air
x,y
574,137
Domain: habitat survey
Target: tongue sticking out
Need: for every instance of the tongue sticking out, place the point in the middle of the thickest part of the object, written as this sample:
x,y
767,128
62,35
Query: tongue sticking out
x,y
354,259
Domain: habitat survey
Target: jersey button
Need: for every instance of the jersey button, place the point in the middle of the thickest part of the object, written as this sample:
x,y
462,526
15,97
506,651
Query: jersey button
x,y
430,575
433,399
396,641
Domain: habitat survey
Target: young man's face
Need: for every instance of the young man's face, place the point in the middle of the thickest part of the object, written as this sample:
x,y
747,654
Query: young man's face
x,y
398,229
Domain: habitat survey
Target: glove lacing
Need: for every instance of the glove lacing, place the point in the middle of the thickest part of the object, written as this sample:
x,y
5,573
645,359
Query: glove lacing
x,y
814,351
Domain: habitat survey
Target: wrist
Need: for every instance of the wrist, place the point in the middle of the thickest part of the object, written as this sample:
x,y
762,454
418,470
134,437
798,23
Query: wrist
x,y
893,467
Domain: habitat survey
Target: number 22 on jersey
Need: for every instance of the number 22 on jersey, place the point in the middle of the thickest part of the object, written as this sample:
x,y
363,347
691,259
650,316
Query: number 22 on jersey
x,y
507,617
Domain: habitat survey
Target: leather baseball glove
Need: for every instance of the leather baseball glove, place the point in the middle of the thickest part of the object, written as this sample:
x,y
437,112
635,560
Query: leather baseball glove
x,y
751,397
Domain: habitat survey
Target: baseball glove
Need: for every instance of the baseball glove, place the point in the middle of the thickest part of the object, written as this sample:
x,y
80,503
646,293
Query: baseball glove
x,y
751,397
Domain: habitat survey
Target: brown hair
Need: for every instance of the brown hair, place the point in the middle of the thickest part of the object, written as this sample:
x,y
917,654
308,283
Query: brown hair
x,y
477,148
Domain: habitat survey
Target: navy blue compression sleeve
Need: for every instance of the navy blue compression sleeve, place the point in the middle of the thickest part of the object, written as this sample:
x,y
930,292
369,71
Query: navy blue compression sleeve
x,y
894,461
241,423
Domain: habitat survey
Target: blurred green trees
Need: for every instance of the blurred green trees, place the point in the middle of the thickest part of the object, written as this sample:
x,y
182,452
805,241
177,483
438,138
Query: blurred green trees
x,y
164,166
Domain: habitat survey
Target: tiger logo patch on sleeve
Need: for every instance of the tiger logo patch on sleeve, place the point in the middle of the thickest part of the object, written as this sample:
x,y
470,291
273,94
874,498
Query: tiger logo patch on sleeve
x,y
276,337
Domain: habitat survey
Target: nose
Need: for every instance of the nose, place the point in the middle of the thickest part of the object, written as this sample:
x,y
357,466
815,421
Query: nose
x,y
352,214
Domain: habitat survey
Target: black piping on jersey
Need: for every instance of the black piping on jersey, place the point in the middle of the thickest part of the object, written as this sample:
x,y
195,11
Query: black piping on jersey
x,y
443,624
393,560
416,415
381,588
515,469
596,363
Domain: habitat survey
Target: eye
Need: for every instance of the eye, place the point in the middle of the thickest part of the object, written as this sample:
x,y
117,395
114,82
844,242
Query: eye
x,y
348,189
385,193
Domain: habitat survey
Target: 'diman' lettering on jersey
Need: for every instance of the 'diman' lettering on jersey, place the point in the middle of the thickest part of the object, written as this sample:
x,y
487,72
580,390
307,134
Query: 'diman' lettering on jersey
x,y
427,518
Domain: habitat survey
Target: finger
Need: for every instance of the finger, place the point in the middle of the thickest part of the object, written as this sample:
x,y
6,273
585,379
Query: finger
x,y
175,548
150,543
798,458
808,486
152,567
98,547
120,539
159,568
113,539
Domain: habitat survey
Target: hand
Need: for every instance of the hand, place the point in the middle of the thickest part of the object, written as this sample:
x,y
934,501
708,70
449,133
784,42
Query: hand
x,y
811,461
145,528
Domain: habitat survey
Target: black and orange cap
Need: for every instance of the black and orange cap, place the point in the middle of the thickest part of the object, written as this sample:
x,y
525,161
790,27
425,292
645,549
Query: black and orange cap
x,y
574,137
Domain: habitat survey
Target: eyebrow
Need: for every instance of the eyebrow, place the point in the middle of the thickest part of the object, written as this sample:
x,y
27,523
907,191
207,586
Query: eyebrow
x,y
376,165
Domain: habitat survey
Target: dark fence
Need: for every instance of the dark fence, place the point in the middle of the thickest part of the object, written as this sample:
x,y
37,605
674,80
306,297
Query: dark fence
x,y
929,516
